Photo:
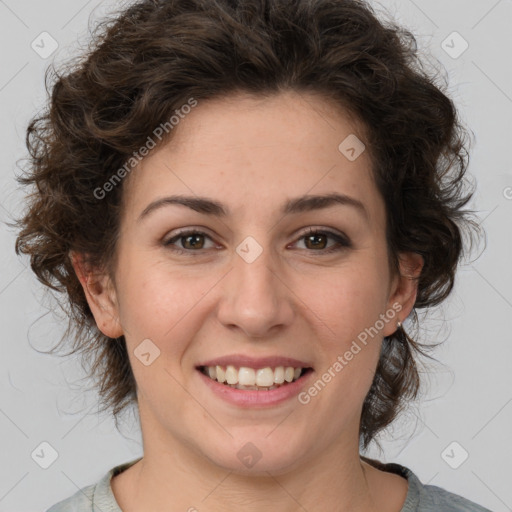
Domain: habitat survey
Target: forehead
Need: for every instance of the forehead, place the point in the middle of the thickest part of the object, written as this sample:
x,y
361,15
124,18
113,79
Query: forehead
x,y
255,151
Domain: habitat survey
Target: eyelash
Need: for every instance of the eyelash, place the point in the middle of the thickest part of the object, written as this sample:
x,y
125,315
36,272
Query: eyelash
x,y
342,242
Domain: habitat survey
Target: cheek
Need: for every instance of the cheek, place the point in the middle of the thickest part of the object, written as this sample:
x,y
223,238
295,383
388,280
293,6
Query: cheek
x,y
152,284
164,306
161,304
348,303
348,299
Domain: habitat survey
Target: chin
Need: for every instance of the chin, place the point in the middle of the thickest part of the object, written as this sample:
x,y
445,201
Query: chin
x,y
258,457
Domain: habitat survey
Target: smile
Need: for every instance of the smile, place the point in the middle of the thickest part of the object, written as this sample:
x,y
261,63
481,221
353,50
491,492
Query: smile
x,y
252,379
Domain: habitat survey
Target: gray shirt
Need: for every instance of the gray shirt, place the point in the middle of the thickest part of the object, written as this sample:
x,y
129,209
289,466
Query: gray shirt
x,y
420,498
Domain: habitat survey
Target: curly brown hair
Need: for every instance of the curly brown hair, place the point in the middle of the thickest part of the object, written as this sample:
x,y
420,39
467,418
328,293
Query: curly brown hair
x,y
149,59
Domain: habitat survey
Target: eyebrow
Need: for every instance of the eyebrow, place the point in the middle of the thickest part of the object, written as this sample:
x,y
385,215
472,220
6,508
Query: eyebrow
x,y
292,206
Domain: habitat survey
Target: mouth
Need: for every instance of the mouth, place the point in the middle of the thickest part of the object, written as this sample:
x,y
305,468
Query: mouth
x,y
254,379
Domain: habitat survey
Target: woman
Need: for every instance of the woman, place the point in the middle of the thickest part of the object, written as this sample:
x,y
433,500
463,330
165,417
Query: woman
x,y
243,202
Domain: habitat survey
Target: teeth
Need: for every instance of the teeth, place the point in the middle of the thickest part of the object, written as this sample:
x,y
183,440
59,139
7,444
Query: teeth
x,y
231,375
279,375
264,377
221,374
250,378
247,377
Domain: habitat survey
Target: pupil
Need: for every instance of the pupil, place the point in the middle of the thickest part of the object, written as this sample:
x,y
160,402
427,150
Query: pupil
x,y
192,237
313,237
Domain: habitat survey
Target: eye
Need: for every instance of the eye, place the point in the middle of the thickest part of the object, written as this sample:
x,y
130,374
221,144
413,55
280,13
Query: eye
x,y
191,240
316,239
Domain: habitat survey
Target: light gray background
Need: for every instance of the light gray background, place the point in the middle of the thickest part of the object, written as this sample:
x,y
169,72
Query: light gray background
x,y
469,395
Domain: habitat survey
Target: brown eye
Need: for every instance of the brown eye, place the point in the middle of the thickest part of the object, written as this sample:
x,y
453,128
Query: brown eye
x,y
191,241
317,241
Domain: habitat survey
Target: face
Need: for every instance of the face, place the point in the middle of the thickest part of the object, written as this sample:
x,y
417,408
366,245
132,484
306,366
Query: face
x,y
261,280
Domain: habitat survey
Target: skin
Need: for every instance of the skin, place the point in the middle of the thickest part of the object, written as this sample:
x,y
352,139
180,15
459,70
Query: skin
x,y
252,154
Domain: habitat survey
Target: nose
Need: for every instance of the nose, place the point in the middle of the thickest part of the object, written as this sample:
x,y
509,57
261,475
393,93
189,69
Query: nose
x,y
256,298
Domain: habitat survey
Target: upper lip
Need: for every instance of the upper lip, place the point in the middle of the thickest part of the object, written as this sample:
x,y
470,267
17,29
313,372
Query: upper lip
x,y
239,360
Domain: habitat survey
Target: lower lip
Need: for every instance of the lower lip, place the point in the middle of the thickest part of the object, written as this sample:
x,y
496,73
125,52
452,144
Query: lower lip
x,y
252,398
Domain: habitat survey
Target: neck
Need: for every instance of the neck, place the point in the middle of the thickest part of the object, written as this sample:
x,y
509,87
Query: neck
x,y
173,477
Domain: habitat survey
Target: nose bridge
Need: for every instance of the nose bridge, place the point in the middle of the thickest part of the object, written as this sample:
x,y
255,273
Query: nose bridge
x,y
255,267
255,298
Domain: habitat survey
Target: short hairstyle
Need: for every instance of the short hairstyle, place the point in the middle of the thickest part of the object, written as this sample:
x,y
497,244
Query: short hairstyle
x,y
150,59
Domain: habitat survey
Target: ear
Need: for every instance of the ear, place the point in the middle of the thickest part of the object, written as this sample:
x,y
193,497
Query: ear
x,y
404,288
100,294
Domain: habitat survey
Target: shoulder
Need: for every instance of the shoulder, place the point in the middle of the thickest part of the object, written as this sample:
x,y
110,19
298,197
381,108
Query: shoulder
x,y
432,498
94,498
427,498
81,501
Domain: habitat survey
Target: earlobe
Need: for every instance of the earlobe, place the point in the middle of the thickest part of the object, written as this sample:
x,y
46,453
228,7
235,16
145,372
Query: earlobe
x,y
405,288
100,294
